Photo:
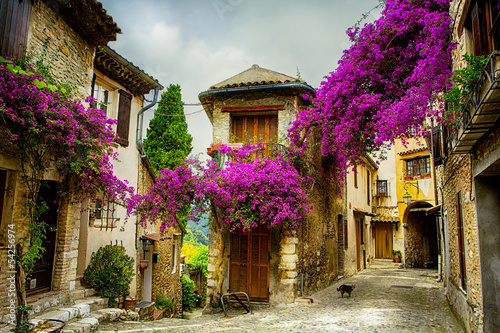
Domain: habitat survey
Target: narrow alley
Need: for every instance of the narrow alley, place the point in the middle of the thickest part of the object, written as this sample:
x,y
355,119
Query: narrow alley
x,y
384,300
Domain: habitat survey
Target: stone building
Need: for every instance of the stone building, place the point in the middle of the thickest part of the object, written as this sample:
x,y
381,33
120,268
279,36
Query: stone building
x,y
468,176
73,35
356,230
415,188
271,265
386,226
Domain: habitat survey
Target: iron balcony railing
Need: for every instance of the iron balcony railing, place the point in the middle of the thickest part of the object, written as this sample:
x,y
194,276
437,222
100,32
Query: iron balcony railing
x,y
268,150
481,111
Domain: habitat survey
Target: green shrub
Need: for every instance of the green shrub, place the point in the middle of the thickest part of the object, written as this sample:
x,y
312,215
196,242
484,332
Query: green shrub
x,y
187,293
164,303
397,252
110,272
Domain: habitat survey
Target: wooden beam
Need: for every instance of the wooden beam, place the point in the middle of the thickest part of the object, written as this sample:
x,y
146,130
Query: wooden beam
x,y
252,108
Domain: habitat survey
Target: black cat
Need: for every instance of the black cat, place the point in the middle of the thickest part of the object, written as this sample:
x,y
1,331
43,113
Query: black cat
x,y
346,289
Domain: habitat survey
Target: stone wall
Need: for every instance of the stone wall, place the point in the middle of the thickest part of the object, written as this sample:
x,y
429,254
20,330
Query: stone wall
x,y
456,177
71,58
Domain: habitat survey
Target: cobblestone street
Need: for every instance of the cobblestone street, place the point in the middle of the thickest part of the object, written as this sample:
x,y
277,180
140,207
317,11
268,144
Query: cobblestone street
x,y
384,300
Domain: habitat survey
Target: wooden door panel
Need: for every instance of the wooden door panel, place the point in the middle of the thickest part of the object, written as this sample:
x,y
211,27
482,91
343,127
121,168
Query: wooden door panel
x,y
383,240
249,263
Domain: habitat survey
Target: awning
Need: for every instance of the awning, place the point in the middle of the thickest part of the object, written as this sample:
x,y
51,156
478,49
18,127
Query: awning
x,y
385,219
156,237
361,211
436,210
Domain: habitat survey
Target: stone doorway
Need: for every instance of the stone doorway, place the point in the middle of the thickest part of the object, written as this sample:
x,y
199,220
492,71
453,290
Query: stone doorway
x,y
249,263
421,241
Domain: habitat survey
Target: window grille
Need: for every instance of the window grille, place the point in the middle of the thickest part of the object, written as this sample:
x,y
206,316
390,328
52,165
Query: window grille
x,y
103,214
382,188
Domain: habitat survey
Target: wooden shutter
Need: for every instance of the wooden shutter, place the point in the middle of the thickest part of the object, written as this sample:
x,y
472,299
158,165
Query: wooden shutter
x,y
461,245
3,178
14,27
124,118
436,146
255,128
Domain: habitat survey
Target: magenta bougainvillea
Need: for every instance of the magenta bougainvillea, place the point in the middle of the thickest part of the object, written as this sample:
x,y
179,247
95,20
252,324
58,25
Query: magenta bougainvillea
x,y
385,85
245,192
46,128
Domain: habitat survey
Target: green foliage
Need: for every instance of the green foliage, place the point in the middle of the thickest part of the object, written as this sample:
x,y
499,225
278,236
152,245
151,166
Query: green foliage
x,y
195,236
200,260
164,303
168,142
397,252
463,81
110,272
188,298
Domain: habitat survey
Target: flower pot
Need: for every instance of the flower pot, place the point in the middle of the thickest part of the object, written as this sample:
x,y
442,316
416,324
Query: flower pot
x,y
428,175
130,303
408,178
396,258
143,264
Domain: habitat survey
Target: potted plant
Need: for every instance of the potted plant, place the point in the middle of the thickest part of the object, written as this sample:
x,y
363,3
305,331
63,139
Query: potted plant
x,y
408,178
427,175
396,255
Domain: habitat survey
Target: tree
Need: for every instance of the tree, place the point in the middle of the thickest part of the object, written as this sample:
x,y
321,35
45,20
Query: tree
x,y
168,143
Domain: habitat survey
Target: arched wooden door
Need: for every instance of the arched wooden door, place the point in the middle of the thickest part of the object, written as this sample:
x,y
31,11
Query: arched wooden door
x,y
249,263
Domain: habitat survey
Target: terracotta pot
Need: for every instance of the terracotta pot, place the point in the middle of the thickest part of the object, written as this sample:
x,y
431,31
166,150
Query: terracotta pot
x,y
144,264
130,303
396,258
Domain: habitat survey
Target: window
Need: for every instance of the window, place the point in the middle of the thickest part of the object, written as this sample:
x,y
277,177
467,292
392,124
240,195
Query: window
x,y
368,179
174,256
382,188
255,128
14,26
355,176
482,21
122,128
102,98
418,167
461,244
102,214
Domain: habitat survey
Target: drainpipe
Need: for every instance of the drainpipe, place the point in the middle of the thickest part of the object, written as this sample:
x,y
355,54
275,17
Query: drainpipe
x,y
140,116
441,232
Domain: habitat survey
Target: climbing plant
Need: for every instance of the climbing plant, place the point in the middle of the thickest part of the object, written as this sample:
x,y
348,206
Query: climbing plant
x,y
46,129
385,84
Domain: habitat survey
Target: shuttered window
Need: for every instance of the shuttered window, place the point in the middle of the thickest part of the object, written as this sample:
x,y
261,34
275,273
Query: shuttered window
x,y
14,27
436,146
484,23
255,128
123,126
461,244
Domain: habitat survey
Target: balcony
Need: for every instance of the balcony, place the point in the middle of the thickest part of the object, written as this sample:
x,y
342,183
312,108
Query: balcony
x,y
481,112
267,150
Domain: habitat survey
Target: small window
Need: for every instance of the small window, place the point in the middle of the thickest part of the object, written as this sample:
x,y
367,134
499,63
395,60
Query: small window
x,y
418,167
102,98
102,214
174,256
382,188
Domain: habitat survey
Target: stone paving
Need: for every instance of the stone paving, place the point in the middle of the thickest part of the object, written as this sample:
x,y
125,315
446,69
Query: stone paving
x,y
384,300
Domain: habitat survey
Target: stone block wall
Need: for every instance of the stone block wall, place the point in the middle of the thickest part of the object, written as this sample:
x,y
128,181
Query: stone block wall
x,y
456,177
71,58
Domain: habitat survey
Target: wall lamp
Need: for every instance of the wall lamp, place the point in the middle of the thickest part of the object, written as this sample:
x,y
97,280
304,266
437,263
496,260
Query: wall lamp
x,y
146,243
407,196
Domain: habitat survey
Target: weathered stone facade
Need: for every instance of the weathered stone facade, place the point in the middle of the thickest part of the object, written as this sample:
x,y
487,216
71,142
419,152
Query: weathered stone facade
x,y
303,260
469,195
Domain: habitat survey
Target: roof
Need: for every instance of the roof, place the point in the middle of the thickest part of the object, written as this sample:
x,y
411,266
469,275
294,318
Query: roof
x,y
126,73
255,76
253,80
156,237
385,219
88,18
412,151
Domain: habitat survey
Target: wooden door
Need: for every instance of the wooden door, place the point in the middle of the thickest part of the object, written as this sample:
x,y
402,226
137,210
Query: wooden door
x,y
249,263
41,277
255,128
383,240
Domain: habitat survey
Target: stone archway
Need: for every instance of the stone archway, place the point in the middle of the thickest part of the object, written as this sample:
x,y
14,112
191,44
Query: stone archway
x,y
421,241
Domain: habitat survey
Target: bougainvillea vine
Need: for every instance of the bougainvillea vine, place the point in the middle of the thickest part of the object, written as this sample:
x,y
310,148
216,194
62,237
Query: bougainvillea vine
x,y
385,85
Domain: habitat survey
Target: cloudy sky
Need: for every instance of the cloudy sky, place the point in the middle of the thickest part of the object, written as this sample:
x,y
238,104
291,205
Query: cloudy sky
x,y
197,43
